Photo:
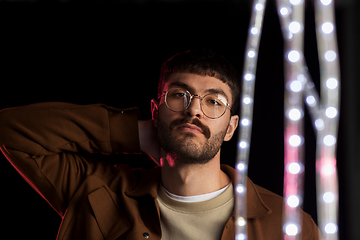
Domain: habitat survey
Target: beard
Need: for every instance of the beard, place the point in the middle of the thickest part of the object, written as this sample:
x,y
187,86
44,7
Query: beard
x,y
183,147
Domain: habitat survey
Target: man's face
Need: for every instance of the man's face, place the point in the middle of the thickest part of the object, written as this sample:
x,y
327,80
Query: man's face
x,y
189,135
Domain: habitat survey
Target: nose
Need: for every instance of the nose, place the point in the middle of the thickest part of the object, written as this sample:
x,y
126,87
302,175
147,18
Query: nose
x,y
194,109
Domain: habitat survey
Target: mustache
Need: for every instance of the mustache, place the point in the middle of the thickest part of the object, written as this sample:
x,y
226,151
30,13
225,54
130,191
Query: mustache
x,y
195,121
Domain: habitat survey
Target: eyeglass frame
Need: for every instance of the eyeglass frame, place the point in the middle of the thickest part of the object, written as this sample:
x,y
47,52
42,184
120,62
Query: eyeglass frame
x,y
191,98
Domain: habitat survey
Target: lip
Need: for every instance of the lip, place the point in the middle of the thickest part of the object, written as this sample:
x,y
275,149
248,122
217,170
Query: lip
x,y
190,128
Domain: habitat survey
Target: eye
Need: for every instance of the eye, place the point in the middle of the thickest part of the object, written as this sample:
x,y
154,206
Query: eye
x,y
177,93
214,102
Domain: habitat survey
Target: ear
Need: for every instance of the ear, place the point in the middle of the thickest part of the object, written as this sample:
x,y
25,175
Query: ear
x,y
154,111
234,120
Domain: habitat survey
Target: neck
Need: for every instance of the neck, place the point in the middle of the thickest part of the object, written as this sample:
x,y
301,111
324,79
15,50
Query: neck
x,y
192,179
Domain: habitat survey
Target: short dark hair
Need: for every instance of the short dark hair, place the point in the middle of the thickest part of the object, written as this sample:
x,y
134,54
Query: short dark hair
x,y
206,63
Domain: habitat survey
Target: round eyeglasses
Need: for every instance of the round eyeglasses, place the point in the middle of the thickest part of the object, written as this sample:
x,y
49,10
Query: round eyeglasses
x,y
213,105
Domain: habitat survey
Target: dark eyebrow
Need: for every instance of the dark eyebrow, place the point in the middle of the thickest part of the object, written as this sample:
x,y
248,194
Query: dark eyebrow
x,y
217,91
191,90
182,85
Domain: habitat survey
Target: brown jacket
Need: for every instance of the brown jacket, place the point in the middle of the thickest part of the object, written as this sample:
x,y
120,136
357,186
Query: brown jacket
x,y
47,143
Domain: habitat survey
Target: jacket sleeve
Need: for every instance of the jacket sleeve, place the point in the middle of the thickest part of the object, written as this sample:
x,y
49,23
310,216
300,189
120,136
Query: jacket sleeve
x,y
44,141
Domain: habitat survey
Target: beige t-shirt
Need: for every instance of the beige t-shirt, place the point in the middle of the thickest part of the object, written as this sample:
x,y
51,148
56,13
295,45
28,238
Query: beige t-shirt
x,y
194,220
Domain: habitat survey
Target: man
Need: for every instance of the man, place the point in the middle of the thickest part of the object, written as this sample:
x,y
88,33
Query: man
x,y
189,196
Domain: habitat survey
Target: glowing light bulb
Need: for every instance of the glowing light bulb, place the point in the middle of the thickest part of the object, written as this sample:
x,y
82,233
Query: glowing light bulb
x,y
240,236
295,114
331,112
243,144
293,56
331,83
293,201
259,7
249,77
329,140
240,188
331,228
326,2
295,140
245,122
296,86
330,56
241,166
291,229
284,11
254,30
296,2
241,221
251,54
247,100
311,101
328,197
319,124
294,27
294,168
327,27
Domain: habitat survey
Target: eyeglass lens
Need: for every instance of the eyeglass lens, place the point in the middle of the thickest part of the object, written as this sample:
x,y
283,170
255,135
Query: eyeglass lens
x,y
212,105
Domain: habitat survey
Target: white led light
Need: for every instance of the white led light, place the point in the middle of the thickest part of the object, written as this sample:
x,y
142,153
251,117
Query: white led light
x,y
294,27
319,124
247,100
311,101
296,86
284,11
254,30
328,197
295,2
331,83
240,188
293,56
243,144
294,168
295,140
293,201
241,166
240,236
330,56
295,114
249,77
251,54
291,229
245,122
326,2
259,7
331,228
329,140
331,112
241,221
328,169
327,27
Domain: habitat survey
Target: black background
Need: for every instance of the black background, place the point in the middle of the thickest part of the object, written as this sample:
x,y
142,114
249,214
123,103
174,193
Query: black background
x,y
111,52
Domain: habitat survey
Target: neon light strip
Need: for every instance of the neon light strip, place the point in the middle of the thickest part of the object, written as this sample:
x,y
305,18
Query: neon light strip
x,y
246,104
292,13
326,177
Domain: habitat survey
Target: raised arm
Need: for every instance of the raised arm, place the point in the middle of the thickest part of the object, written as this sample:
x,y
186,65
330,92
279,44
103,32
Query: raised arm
x,y
43,142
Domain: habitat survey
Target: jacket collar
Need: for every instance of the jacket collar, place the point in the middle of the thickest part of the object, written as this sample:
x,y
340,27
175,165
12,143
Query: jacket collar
x,y
150,180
